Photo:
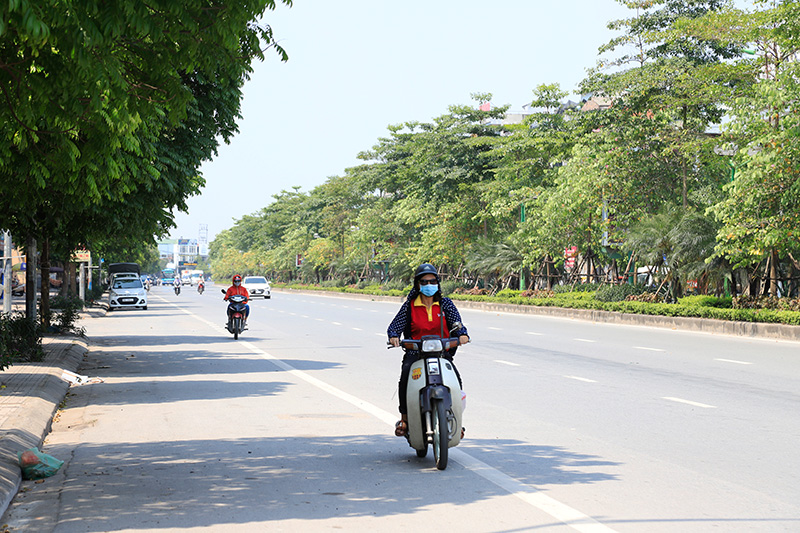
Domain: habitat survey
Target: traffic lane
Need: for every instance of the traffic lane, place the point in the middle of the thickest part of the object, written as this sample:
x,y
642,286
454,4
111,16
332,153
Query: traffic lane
x,y
334,315
635,450
633,412
341,310
714,353
274,459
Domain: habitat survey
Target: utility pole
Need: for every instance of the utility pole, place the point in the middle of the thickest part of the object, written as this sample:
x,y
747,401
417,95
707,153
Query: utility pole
x,y
7,296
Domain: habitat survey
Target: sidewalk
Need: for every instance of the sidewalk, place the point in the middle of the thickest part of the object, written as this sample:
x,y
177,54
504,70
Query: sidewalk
x,y
29,397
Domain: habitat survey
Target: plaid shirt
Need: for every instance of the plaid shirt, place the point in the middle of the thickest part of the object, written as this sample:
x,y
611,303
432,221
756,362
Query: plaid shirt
x,y
400,323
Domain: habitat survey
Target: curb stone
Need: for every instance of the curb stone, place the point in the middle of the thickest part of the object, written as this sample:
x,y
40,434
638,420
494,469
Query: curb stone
x,y
30,398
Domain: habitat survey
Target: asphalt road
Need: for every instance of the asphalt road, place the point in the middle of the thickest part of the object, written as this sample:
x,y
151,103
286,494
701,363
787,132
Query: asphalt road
x,y
571,426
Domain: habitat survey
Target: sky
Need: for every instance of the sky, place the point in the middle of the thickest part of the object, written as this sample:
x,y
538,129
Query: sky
x,y
357,66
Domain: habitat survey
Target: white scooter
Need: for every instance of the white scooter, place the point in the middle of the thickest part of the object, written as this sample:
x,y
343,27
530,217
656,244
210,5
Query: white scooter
x,y
434,397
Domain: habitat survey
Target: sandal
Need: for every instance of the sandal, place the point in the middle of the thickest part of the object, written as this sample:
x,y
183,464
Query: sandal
x,y
401,428
463,429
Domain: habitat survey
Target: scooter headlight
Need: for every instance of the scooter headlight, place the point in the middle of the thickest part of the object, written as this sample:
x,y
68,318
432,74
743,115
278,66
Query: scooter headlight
x,y
432,345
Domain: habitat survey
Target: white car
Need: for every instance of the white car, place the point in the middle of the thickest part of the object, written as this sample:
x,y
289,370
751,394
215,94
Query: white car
x,y
256,286
126,292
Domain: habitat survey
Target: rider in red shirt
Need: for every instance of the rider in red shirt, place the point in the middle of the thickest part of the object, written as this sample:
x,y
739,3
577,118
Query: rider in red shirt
x,y
237,288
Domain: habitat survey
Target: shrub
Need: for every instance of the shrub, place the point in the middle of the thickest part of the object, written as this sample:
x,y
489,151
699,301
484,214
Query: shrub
x,y
618,293
766,302
19,340
508,293
448,287
705,301
577,287
538,294
647,297
70,308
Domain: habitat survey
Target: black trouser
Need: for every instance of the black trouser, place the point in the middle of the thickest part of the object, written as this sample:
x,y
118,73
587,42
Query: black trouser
x,y
408,360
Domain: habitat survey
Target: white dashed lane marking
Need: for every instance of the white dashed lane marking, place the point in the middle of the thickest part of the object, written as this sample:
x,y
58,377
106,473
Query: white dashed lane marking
x,y
584,340
689,402
505,362
734,361
585,380
649,349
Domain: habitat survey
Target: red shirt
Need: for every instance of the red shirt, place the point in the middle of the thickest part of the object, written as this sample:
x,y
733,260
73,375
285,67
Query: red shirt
x,y
426,321
233,289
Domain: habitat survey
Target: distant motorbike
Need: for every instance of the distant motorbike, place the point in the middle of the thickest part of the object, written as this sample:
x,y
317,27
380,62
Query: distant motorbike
x,y
201,287
434,396
177,290
237,307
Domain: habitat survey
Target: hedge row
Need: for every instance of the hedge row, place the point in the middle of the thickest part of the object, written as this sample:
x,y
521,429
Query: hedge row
x,y
689,307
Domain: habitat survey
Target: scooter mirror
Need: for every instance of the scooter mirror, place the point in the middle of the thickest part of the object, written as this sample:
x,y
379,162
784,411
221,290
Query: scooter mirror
x,y
456,326
222,291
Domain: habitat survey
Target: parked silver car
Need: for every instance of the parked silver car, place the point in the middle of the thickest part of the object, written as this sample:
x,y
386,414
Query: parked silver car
x,y
126,292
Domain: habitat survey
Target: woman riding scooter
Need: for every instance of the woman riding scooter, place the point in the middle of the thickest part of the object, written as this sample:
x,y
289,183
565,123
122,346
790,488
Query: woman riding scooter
x,y
421,314
237,288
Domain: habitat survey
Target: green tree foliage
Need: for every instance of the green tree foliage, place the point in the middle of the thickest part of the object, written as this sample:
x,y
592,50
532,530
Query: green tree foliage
x,y
761,211
115,106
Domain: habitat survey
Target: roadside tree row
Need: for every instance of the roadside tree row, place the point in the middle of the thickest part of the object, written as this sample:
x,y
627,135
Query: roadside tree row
x,y
681,166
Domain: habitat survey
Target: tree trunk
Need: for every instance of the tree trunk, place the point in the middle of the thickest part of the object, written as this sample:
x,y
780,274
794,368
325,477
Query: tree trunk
x,y
30,280
773,273
44,264
72,279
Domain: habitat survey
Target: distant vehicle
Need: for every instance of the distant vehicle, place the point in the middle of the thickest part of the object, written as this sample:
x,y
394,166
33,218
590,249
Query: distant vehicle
x,y
257,286
127,292
167,276
186,278
115,268
197,275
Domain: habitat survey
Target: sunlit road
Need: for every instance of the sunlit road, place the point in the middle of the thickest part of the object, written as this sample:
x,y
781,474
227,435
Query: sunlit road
x,y
571,426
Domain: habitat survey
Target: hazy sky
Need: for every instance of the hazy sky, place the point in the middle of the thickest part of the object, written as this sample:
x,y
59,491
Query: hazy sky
x,y
357,66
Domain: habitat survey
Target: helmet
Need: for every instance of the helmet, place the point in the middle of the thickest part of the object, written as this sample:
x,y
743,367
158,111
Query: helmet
x,y
236,278
425,268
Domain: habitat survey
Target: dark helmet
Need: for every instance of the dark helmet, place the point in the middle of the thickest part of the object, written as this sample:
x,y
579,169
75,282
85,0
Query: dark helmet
x,y
425,268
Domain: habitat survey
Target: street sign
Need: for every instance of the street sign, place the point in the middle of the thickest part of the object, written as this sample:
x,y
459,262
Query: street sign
x,y
81,256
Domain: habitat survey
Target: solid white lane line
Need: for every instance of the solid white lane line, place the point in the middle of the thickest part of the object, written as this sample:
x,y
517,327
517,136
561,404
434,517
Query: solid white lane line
x,y
689,402
562,512
584,340
586,380
569,516
509,363
649,349
734,361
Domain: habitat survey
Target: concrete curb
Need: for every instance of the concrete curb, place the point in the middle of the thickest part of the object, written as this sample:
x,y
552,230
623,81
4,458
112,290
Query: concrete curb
x,y
32,394
700,325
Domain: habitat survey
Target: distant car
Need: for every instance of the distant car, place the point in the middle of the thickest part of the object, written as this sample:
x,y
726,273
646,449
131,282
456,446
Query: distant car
x,y
257,286
126,292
